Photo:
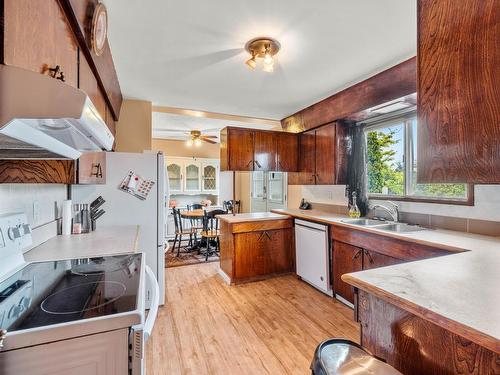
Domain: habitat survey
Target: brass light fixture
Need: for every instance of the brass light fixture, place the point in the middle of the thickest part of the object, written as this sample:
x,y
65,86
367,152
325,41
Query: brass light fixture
x,y
262,48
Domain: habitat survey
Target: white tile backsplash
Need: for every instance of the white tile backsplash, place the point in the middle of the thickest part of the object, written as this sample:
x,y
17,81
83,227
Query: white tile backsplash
x,y
486,201
40,202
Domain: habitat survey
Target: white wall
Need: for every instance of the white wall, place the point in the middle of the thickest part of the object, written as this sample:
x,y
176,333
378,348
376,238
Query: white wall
x,y
23,197
486,202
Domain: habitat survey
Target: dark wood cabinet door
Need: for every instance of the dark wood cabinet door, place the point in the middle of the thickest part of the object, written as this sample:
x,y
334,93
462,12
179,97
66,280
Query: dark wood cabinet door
x,y
92,168
240,147
307,163
264,151
287,150
346,258
457,84
88,83
372,259
38,37
325,154
279,250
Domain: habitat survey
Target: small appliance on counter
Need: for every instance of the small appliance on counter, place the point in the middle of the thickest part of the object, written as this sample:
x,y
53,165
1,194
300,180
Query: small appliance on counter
x,y
67,316
304,205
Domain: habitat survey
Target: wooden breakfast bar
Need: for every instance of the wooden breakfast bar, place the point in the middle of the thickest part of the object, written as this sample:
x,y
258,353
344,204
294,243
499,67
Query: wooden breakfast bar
x,y
255,246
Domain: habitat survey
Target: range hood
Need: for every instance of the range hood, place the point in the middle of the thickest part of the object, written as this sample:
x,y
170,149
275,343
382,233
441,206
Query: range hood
x,y
43,118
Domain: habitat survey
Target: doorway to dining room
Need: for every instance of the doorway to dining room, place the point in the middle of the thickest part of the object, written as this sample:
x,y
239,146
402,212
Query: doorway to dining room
x,y
268,191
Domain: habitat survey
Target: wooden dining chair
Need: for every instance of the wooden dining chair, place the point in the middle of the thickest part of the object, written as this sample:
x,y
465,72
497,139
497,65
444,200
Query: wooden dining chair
x,y
196,224
211,233
232,206
180,231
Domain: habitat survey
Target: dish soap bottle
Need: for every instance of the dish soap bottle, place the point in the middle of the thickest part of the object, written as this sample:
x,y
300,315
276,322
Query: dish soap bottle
x,y
353,207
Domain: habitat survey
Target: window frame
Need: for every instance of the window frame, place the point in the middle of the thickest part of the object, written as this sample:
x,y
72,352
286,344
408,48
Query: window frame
x,y
405,117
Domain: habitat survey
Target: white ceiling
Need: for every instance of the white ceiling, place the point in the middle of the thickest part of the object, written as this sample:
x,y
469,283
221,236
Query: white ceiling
x,y
176,126
189,53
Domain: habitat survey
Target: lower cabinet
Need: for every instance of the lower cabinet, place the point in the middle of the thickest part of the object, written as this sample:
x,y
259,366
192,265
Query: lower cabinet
x,y
256,250
346,259
372,259
103,353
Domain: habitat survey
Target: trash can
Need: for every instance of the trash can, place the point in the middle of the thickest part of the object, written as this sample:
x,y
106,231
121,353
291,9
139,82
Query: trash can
x,y
345,357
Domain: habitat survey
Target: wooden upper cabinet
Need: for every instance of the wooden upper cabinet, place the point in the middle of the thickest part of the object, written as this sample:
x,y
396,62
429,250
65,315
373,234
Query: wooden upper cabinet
x,y
287,152
458,91
325,155
322,156
264,151
258,150
88,83
237,149
38,37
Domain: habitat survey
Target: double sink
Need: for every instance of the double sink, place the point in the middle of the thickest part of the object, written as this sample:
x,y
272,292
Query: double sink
x,y
384,225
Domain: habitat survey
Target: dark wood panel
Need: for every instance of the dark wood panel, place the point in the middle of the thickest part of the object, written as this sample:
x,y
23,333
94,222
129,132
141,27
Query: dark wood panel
x,y
240,149
390,84
287,149
88,83
342,140
79,14
307,160
226,249
458,91
325,155
264,151
393,247
37,171
372,259
416,346
37,36
346,259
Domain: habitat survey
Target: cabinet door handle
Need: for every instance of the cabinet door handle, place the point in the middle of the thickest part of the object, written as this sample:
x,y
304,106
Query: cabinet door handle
x,y
98,170
250,162
258,164
367,253
280,165
356,256
57,73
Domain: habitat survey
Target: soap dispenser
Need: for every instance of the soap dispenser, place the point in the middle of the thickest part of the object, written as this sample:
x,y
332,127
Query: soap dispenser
x,y
354,211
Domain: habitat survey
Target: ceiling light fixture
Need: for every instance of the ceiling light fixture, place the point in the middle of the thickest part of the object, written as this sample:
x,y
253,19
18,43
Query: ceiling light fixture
x,y
265,49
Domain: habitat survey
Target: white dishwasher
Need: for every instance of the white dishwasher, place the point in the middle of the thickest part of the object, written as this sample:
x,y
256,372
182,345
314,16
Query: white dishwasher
x,y
312,254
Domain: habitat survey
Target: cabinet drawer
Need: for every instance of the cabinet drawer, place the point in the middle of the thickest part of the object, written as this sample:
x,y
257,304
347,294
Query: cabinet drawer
x,y
252,226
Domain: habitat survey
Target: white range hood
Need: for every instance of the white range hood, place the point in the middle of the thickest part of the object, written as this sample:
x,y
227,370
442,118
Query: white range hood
x,y
43,118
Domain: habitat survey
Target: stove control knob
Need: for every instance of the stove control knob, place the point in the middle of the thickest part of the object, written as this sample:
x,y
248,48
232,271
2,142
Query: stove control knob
x,y
25,303
14,311
14,233
26,229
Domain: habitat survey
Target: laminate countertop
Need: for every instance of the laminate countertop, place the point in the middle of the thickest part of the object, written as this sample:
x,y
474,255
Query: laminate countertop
x,y
459,292
254,216
103,241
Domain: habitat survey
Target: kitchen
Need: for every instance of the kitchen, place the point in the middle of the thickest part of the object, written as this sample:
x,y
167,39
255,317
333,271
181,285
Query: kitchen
x,y
380,255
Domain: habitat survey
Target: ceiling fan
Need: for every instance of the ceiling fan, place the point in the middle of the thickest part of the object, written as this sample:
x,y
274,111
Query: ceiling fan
x,y
197,138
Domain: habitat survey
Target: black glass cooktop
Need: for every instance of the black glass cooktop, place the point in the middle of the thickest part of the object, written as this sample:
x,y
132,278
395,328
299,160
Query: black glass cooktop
x,y
46,293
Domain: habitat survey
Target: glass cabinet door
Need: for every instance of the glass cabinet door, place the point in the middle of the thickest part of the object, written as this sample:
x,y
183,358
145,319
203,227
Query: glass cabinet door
x,y
210,177
174,172
192,180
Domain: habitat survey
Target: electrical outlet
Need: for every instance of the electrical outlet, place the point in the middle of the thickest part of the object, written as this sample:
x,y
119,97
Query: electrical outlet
x,y
36,212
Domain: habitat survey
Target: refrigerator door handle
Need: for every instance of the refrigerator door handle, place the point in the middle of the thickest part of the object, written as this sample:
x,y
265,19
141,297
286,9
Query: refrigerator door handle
x,y
153,308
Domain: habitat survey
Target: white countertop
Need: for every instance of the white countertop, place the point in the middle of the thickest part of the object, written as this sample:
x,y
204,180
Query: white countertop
x,y
254,216
459,292
103,241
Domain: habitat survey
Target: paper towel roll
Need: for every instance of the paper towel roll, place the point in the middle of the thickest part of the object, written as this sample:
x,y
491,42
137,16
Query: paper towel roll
x,y
66,217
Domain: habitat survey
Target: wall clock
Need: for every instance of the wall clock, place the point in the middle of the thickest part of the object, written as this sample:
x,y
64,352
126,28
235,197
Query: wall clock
x,y
99,29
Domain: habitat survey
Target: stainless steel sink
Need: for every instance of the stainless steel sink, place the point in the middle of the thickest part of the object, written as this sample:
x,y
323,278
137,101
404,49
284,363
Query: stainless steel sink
x,y
400,228
364,222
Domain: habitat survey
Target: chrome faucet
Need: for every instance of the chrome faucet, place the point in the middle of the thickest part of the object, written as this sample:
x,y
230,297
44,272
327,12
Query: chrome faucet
x,y
392,211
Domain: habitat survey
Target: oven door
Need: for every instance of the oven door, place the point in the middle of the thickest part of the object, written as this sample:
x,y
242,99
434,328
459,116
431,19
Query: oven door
x,y
140,334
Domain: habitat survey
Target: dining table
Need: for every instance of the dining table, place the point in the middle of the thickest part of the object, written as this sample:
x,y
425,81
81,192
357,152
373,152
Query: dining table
x,y
194,216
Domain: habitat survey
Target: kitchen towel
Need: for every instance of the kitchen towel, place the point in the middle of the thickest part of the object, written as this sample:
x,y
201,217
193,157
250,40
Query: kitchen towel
x,y
66,217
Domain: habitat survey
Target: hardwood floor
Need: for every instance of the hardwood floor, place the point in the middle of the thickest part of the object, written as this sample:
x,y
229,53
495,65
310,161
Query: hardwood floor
x,y
266,327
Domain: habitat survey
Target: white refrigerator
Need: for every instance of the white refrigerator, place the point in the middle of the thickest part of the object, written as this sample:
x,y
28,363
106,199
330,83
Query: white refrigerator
x,y
126,209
